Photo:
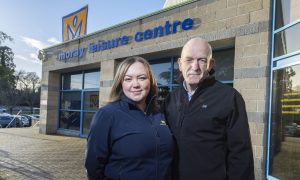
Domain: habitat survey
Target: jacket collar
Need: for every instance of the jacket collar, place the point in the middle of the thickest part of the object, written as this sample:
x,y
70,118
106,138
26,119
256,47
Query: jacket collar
x,y
207,81
180,78
132,105
127,100
203,84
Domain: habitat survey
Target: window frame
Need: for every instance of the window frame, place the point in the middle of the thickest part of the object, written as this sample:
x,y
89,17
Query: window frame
x,y
82,91
279,62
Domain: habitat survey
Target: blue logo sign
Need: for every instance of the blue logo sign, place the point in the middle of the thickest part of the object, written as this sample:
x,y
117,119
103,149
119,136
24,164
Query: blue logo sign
x,y
159,31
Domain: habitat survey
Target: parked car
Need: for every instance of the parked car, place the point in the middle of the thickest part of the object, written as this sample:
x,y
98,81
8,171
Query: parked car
x,y
33,118
18,121
292,130
30,118
24,121
3,110
5,120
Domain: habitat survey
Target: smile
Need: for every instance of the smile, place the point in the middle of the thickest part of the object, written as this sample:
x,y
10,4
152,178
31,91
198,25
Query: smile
x,y
193,74
136,92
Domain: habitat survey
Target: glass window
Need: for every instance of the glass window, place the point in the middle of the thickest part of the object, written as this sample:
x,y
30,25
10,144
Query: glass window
x,y
162,71
224,64
74,92
287,11
92,80
91,100
87,119
176,72
71,100
285,127
163,91
72,81
69,120
287,41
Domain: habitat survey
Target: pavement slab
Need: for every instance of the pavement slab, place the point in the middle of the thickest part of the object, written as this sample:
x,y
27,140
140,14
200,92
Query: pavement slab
x,y
26,154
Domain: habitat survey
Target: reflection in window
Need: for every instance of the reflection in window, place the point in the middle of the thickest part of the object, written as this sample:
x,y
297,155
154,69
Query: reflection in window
x,y
287,41
72,81
287,11
91,100
92,80
69,120
176,73
285,127
165,71
163,91
87,119
71,100
162,71
224,64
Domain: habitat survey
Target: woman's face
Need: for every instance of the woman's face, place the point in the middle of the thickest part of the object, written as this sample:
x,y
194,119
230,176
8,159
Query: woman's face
x,y
136,83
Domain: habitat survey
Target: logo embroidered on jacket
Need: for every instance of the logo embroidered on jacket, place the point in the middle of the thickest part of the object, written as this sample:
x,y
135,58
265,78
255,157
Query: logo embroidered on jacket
x,y
163,123
204,105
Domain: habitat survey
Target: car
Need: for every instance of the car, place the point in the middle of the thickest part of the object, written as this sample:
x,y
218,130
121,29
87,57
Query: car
x,y
292,129
24,121
33,118
21,121
3,110
6,119
18,121
29,117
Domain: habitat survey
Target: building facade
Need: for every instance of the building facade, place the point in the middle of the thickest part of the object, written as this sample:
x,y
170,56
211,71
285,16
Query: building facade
x,y
256,51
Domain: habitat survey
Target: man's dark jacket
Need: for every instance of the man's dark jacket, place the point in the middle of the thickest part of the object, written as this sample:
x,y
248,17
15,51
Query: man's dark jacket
x,y
211,132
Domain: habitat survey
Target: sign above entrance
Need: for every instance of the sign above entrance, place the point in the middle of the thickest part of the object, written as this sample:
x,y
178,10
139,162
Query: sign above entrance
x,y
167,29
156,32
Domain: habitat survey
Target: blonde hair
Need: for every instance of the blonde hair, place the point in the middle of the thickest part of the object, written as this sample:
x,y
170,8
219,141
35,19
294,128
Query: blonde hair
x,y
117,90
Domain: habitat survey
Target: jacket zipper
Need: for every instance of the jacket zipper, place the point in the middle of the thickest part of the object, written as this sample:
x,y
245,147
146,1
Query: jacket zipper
x,y
157,152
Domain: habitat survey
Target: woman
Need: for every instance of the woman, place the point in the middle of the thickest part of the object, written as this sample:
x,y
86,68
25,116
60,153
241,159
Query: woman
x,y
129,138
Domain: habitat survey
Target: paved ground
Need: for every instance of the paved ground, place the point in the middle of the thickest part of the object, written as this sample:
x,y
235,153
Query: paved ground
x,y
26,154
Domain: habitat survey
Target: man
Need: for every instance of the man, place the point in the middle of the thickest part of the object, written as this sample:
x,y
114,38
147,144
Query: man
x,y
208,120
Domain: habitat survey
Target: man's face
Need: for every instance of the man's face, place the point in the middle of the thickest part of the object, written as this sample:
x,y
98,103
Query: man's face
x,y
193,63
